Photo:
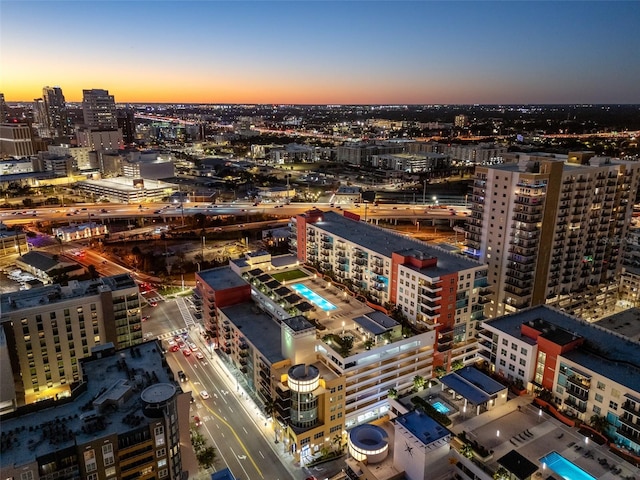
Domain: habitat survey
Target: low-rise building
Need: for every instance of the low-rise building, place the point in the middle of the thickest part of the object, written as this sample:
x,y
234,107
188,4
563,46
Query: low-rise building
x,y
46,266
587,370
74,232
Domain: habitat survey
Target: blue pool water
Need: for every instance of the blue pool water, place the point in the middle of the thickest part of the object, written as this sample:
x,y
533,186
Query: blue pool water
x,y
313,297
563,467
441,407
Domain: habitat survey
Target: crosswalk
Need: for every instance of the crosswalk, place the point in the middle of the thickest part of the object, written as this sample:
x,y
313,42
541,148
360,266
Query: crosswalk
x,y
166,336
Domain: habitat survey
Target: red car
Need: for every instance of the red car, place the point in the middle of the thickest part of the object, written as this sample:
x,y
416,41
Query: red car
x,y
174,348
186,352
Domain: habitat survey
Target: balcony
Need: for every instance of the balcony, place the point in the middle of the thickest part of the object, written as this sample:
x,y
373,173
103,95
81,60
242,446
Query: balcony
x,y
578,393
631,407
573,404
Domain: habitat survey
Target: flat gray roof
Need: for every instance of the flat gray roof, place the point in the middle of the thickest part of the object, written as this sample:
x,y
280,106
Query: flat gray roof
x,y
376,322
386,242
53,428
259,328
222,278
617,358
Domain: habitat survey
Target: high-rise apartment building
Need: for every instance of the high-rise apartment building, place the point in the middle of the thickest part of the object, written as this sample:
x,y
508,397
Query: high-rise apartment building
x,y
549,228
50,328
99,109
125,418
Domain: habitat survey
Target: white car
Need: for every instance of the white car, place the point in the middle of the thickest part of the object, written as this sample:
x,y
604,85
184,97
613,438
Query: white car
x,y
204,395
192,346
199,356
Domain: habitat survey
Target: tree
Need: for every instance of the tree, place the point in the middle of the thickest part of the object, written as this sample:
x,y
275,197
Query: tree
x,y
368,343
418,382
346,344
93,273
598,423
392,393
440,371
206,457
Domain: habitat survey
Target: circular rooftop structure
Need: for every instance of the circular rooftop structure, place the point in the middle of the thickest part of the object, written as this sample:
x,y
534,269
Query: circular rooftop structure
x,y
303,378
368,442
158,393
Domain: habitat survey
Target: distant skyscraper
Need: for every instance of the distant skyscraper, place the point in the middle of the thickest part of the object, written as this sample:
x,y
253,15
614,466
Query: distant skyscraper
x,y
550,227
4,111
126,123
56,107
99,110
40,118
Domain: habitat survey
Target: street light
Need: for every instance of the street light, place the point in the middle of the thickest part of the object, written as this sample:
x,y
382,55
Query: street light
x,y
424,192
435,200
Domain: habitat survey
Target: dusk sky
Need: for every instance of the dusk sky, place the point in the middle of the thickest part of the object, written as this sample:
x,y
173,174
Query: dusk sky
x,y
346,52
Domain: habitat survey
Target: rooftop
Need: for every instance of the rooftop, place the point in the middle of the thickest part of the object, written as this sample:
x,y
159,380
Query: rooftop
x,y
222,278
51,294
607,353
111,404
423,427
258,327
385,242
126,184
518,465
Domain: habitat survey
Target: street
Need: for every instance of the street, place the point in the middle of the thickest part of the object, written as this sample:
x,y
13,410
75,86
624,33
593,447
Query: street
x,y
242,436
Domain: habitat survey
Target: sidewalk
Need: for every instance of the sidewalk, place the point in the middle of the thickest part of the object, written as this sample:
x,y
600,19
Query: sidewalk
x,y
252,411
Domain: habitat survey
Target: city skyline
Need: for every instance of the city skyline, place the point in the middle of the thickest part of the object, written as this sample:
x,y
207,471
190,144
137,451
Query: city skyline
x,y
324,52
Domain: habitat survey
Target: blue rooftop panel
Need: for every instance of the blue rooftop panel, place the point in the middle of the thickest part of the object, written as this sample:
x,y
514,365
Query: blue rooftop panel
x,y
466,389
480,380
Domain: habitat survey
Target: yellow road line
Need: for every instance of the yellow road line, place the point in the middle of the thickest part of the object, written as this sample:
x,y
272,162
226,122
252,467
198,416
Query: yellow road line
x,y
234,434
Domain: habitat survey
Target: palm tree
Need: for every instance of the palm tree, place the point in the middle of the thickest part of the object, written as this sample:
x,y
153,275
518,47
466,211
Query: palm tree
x,y
270,411
599,424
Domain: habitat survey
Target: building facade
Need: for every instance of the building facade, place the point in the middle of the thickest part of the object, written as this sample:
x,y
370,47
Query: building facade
x,y
99,110
126,418
49,329
547,227
16,140
435,289
587,370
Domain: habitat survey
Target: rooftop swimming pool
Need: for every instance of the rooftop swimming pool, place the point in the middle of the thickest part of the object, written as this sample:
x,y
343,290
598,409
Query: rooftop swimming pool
x,y
563,467
313,297
441,407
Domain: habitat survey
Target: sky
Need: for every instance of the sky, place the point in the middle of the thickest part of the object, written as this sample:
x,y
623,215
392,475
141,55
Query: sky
x,y
323,52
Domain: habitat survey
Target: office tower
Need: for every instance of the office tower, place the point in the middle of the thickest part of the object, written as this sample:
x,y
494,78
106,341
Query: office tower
x,y
126,123
49,328
4,111
40,118
56,109
99,109
549,227
16,140
126,417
